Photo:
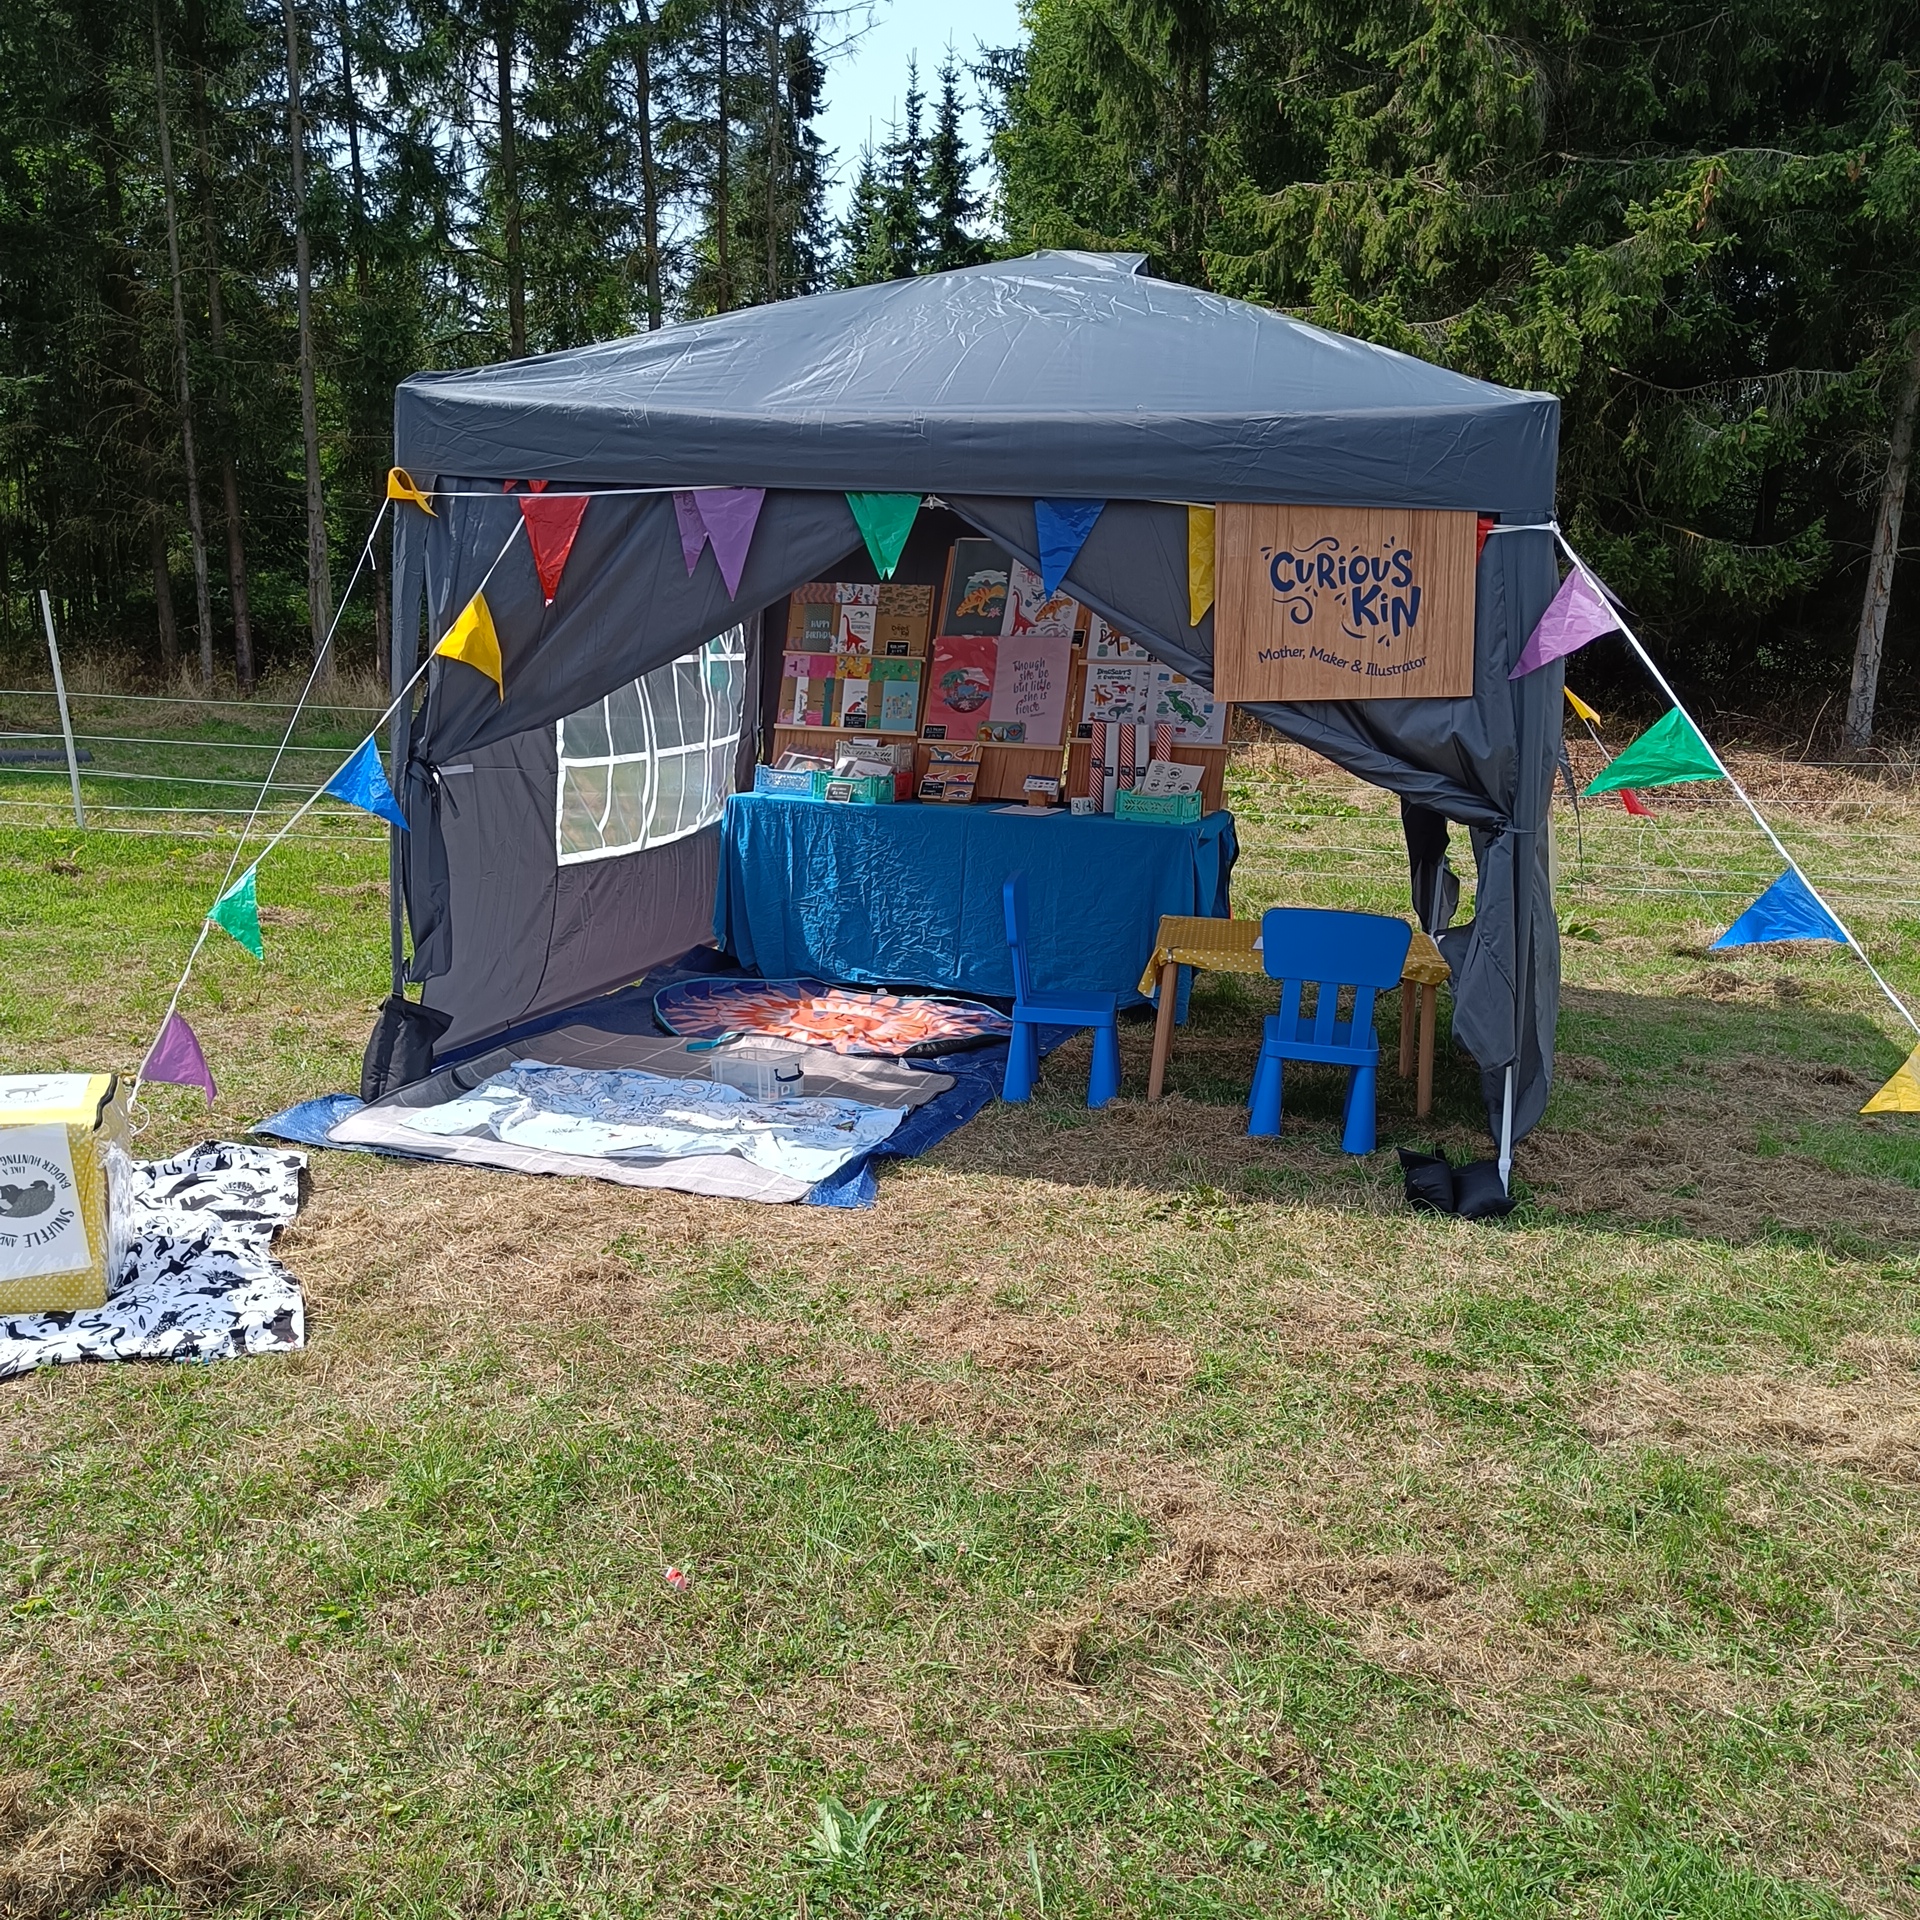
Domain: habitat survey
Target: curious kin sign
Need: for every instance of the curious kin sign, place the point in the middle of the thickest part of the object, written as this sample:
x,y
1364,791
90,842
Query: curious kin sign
x,y
1342,603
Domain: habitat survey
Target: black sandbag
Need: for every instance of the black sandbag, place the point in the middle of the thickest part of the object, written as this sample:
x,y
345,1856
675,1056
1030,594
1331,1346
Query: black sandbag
x,y
1429,1180
1478,1193
400,1050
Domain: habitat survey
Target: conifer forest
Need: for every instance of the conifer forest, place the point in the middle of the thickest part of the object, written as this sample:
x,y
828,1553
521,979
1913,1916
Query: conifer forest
x,y
228,229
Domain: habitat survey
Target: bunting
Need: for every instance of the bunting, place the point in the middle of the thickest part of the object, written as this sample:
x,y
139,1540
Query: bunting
x,y
884,520
362,783
1788,910
1581,709
1901,1094
552,521
175,1059
1576,614
400,486
1635,805
1062,527
1669,752
237,912
472,639
1199,563
726,516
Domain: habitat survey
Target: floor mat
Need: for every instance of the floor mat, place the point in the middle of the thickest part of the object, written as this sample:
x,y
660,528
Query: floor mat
x,y
199,1281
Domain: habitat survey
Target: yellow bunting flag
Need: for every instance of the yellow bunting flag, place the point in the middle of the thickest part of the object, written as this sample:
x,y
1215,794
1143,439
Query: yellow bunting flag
x,y
400,486
1199,563
1901,1094
1580,707
471,638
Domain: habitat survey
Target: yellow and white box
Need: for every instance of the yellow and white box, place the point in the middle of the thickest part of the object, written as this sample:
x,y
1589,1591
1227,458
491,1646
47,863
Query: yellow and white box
x,y
63,1190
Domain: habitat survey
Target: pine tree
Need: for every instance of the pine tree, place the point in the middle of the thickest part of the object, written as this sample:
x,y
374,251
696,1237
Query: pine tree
x,y
952,205
864,254
903,187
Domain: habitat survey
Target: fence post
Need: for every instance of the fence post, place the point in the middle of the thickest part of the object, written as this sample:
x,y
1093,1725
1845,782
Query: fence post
x,y
66,719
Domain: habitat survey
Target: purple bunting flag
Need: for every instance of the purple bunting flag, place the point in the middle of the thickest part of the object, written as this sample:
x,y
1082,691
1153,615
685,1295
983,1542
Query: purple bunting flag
x,y
1578,614
693,530
176,1060
731,513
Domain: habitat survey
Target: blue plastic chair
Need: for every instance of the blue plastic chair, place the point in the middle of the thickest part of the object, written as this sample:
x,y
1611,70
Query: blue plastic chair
x,y
1032,1011
1364,951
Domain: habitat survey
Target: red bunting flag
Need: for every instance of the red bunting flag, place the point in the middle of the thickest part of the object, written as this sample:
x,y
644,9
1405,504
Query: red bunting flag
x,y
1634,804
552,521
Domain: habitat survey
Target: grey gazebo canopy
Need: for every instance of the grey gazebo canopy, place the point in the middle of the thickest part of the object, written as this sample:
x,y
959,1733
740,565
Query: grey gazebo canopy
x,y
1060,375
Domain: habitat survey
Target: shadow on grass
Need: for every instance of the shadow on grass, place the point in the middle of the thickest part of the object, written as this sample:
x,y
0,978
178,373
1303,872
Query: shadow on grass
x,y
1736,1120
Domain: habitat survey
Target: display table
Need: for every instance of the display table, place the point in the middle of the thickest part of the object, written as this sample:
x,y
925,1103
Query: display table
x,y
910,894
1226,946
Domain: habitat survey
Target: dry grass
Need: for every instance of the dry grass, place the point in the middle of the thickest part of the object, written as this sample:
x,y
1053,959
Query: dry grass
x,y
1157,1521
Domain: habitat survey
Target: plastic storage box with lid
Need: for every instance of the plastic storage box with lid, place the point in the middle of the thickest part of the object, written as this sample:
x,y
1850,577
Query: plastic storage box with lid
x,y
63,1190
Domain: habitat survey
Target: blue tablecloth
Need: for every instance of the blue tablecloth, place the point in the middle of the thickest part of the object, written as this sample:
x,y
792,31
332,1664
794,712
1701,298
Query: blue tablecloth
x,y
910,894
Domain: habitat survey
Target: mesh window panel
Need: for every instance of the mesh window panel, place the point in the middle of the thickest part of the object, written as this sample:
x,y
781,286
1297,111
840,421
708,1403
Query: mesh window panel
x,y
653,761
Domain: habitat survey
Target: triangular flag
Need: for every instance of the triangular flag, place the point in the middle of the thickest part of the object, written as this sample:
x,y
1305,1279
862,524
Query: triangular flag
x,y
731,514
472,639
175,1059
1580,707
693,530
362,783
1483,525
552,521
1901,1094
1062,527
1635,805
884,520
400,486
1199,563
1576,615
1669,752
237,912
1788,910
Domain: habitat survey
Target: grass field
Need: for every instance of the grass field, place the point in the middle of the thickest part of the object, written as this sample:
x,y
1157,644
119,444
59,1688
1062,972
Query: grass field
x,y
1121,1518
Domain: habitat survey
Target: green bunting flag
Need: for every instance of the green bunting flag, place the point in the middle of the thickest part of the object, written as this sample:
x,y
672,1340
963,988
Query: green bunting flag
x,y
238,912
884,520
1668,752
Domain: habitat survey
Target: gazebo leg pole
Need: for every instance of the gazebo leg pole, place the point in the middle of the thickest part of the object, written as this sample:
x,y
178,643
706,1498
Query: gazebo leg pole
x,y
1506,1134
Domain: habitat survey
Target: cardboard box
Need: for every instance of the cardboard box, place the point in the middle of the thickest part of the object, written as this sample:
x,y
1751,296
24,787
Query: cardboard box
x,y
63,1190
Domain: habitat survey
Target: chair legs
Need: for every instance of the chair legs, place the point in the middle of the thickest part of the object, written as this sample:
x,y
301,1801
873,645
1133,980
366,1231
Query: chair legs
x,y
1263,1118
1357,1134
1263,1121
1103,1081
1023,1064
1023,1060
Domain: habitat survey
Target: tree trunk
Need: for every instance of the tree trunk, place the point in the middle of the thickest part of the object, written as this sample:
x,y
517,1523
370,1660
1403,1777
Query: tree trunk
x,y
649,183
217,332
722,197
163,595
196,525
773,156
503,45
1886,553
319,571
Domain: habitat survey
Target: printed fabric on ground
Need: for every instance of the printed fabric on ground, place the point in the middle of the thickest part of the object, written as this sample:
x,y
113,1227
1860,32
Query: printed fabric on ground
x,y
627,1114
199,1282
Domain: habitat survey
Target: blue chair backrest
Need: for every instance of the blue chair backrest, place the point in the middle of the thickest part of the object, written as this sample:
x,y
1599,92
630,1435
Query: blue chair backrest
x,y
1364,951
1014,894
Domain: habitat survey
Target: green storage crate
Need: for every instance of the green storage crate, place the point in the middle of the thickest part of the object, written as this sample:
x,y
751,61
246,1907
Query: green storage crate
x,y
1169,809
854,789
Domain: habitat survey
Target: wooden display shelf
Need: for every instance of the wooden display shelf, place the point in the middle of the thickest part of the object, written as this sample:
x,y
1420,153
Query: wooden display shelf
x,y
1004,770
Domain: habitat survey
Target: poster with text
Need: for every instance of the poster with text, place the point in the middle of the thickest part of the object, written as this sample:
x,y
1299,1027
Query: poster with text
x,y
1030,687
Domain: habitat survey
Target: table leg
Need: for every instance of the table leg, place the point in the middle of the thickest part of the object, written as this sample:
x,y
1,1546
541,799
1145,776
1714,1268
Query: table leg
x,y
1406,1029
1163,1028
1429,1019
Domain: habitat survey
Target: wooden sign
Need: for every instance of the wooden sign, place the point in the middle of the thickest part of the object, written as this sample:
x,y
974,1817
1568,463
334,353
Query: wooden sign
x,y
1342,603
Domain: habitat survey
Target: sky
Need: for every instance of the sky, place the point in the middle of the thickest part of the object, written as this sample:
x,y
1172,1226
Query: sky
x,y
866,85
